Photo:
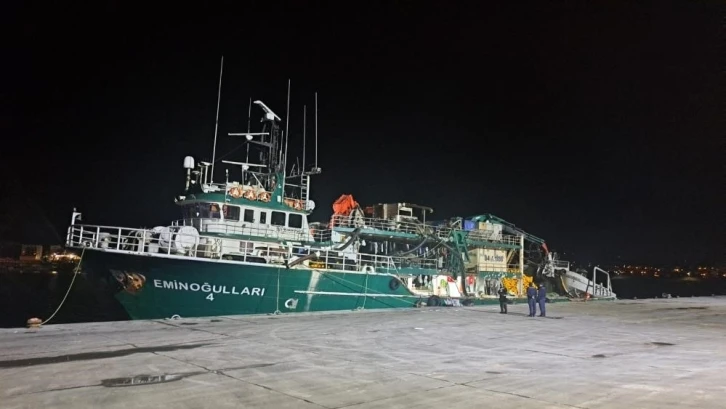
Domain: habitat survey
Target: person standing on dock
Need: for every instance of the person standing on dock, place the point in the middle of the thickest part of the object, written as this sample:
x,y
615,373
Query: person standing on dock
x,y
531,299
541,299
503,300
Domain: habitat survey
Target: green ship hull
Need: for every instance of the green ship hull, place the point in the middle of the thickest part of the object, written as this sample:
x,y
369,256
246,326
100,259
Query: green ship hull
x,y
160,287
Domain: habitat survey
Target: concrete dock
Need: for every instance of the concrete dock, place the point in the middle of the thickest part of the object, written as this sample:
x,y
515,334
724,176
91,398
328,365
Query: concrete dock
x,y
624,354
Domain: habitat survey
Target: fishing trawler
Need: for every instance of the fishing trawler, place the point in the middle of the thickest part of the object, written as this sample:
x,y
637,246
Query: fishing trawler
x,y
246,246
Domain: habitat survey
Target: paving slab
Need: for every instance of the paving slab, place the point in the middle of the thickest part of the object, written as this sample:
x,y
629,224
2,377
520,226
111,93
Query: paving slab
x,y
657,353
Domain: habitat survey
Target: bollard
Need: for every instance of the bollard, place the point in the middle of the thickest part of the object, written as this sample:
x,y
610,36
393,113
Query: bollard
x,y
34,323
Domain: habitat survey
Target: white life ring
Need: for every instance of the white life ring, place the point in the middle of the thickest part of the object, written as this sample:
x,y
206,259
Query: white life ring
x,y
368,269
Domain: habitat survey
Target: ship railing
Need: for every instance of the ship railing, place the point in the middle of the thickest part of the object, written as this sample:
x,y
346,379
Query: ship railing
x,y
421,229
410,226
321,232
330,259
269,232
443,232
321,236
591,284
417,227
214,187
174,242
252,229
488,267
105,237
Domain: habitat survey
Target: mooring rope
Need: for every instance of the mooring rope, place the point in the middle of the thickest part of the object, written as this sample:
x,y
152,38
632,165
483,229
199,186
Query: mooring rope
x,y
76,271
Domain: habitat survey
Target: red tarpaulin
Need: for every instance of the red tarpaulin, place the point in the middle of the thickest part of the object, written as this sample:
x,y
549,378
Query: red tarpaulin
x,y
344,205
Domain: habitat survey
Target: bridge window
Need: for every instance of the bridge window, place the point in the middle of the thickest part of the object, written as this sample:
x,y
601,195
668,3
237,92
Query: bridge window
x,y
231,212
295,220
277,219
201,211
214,211
249,216
263,217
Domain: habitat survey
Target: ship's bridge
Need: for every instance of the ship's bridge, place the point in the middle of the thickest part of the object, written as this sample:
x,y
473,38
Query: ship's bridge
x,y
240,219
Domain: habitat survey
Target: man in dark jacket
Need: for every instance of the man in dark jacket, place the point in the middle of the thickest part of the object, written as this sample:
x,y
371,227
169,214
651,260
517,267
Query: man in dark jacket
x,y
532,299
542,298
502,300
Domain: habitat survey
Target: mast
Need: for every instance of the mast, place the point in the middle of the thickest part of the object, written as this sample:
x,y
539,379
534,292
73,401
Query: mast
x,y
249,114
216,121
271,143
304,177
287,127
305,116
316,130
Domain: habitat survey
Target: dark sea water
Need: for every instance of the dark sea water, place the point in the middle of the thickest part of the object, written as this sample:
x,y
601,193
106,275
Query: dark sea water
x,y
38,294
640,287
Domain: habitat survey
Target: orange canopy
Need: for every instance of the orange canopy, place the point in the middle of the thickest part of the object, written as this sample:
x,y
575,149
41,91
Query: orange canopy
x,y
344,205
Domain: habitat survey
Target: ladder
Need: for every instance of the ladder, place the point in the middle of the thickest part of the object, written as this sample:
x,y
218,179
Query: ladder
x,y
304,194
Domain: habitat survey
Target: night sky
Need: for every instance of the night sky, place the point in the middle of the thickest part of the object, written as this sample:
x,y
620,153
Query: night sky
x,y
598,128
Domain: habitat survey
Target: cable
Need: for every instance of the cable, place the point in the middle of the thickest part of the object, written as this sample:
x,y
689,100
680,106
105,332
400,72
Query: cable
x,y
277,299
230,152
